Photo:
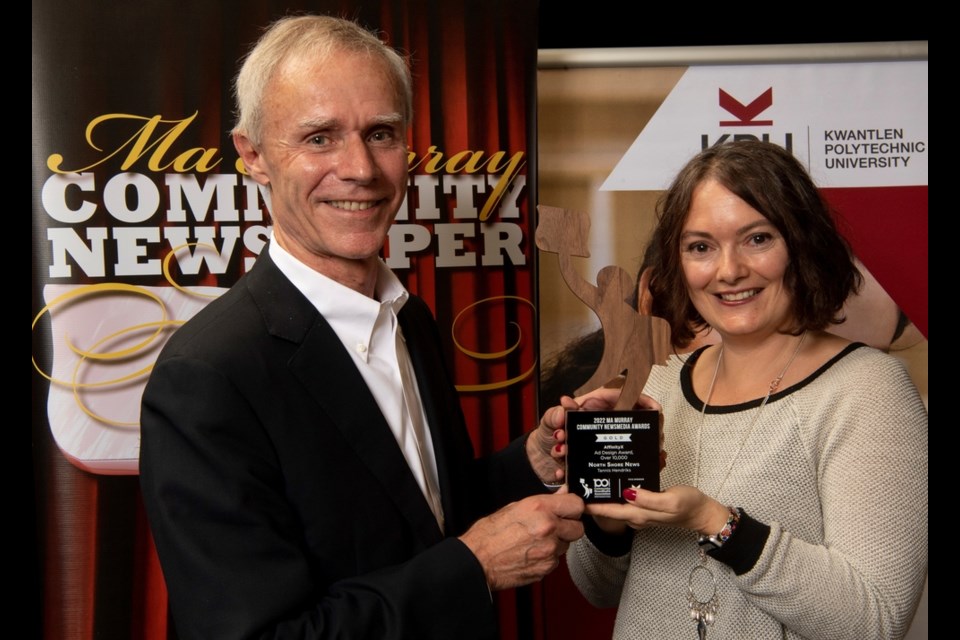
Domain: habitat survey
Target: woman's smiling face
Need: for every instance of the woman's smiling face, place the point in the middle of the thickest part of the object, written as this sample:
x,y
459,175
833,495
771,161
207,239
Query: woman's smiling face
x,y
734,262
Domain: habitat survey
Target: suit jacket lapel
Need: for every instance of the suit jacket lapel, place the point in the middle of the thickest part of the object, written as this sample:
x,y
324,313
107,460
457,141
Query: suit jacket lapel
x,y
333,381
445,419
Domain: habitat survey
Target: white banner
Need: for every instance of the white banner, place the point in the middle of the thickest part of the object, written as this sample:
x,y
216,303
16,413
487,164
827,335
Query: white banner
x,y
852,124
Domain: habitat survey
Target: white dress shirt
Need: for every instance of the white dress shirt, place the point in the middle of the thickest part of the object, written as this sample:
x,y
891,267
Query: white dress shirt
x,y
370,332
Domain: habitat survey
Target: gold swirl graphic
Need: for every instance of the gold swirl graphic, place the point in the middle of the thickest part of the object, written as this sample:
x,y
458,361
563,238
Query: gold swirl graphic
x,y
96,353
93,353
76,386
491,386
169,278
92,290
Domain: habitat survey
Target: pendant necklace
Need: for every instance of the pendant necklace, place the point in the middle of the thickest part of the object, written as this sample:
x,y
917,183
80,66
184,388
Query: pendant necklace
x,y
703,607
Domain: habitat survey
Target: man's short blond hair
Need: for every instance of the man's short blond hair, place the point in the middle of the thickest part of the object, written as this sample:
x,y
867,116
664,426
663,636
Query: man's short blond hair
x,y
319,37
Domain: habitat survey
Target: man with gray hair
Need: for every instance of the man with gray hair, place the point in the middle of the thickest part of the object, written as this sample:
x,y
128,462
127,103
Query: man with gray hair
x,y
305,465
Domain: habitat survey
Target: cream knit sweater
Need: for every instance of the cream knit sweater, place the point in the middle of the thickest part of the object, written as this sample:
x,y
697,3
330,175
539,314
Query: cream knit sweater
x,y
836,466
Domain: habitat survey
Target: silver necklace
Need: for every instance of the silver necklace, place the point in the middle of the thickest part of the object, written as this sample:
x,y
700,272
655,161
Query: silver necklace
x,y
703,610
774,385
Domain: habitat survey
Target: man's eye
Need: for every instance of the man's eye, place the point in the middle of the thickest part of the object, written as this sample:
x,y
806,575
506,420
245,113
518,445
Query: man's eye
x,y
319,140
381,136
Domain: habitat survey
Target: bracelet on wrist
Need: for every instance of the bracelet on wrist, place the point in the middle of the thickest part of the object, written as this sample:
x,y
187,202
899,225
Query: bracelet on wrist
x,y
717,540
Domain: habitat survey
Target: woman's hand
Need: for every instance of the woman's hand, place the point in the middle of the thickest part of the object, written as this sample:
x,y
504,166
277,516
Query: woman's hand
x,y
546,446
680,506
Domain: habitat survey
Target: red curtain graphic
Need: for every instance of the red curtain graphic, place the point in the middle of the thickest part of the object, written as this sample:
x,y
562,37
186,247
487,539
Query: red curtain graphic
x,y
131,110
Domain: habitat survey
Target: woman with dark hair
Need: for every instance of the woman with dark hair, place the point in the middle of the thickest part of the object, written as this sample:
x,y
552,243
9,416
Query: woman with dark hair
x,y
795,493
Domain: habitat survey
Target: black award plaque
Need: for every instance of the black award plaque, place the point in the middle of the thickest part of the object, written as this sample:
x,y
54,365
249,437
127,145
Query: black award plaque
x,y
609,451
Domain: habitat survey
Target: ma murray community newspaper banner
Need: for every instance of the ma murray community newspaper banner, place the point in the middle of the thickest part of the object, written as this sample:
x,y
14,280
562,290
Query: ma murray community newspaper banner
x,y
142,215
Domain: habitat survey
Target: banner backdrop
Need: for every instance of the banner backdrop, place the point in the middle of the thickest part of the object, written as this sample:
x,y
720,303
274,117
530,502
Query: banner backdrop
x,y
142,215
610,140
859,128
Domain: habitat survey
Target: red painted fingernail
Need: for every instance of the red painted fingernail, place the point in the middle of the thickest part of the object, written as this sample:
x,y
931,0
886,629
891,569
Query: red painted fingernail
x,y
630,494
556,434
558,448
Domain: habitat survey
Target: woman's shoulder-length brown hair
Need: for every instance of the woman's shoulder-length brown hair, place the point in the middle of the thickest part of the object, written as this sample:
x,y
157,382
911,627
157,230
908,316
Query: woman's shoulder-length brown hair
x,y
821,274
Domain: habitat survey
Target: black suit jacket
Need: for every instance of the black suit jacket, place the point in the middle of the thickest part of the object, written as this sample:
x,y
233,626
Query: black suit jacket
x,y
279,500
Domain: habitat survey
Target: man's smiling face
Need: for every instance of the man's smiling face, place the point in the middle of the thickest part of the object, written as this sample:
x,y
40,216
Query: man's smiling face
x,y
333,152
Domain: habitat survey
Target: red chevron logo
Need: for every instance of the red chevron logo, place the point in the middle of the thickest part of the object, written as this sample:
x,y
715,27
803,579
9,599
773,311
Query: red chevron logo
x,y
746,113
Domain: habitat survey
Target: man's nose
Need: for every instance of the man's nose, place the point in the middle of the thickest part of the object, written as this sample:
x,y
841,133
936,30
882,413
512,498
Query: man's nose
x,y
355,162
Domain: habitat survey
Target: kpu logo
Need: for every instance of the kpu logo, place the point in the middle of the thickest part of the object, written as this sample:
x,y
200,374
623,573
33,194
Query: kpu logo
x,y
746,116
745,113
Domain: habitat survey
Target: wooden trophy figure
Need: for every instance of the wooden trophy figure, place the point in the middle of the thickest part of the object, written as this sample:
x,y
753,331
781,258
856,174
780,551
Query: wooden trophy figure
x,y
633,340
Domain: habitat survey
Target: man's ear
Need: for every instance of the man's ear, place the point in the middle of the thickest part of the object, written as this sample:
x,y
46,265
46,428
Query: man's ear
x,y
252,159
